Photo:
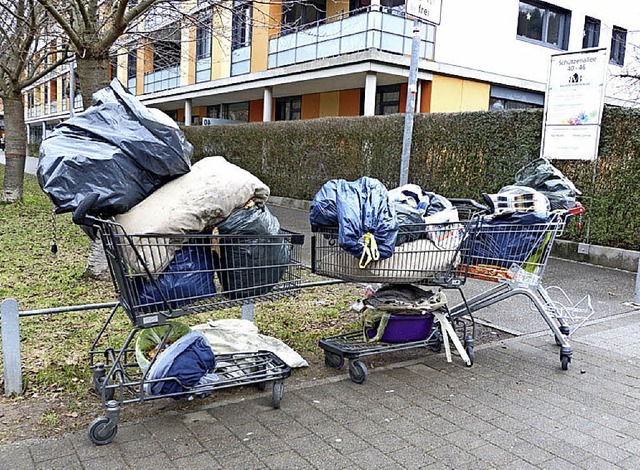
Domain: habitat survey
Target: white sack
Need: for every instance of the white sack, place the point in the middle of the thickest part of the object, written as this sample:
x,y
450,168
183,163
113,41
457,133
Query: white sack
x,y
233,335
190,203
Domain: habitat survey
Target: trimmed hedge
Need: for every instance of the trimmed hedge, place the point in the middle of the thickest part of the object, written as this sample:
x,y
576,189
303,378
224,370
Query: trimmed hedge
x,y
454,154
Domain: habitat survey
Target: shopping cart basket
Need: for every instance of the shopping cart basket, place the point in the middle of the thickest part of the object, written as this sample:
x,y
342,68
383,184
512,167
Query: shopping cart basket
x,y
161,277
513,249
432,255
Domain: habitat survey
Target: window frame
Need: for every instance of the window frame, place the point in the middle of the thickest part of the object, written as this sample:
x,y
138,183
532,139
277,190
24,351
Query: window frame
x,y
591,36
289,108
381,103
204,36
618,48
241,24
564,24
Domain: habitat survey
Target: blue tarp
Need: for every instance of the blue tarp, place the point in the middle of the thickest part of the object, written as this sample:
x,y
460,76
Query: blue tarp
x,y
185,364
189,277
509,238
356,208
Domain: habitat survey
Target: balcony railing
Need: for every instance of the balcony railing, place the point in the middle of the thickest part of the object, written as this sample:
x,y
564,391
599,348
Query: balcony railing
x,y
384,30
203,69
162,79
241,60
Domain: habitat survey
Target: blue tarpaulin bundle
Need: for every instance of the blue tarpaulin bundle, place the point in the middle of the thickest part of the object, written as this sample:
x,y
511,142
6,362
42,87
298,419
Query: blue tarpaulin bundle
x,y
506,239
189,277
356,208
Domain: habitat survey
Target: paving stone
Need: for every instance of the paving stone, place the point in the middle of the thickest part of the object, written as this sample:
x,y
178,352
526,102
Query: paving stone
x,y
46,450
68,462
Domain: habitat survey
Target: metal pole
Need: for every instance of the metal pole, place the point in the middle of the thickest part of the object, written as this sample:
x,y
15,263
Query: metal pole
x,y
10,325
72,88
247,312
411,104
637,297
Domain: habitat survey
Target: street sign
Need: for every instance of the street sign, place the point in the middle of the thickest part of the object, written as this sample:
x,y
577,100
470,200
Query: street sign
x,y
573,105
427,10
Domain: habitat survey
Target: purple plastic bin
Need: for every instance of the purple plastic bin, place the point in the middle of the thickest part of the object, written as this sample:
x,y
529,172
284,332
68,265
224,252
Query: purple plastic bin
x,y
404,328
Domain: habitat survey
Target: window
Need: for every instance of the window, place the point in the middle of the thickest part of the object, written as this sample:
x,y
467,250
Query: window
x,y
232,111
298,13
388,99
132,64
203,37
289,108
618,45
591,35
503,98
166,51
543,23
113,66
241,25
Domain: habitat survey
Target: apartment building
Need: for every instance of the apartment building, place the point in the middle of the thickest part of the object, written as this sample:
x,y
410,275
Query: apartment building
x,y
304,59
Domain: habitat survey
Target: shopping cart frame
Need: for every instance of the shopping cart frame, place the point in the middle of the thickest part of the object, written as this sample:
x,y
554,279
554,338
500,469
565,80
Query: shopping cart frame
x,y
436,266
117,377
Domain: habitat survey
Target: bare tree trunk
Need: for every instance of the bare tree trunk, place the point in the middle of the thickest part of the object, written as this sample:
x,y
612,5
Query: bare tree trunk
x,y
93,74
15,149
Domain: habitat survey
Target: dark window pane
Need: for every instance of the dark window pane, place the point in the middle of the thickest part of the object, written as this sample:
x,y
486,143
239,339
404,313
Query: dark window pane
x,y
618,45
591,35
530,21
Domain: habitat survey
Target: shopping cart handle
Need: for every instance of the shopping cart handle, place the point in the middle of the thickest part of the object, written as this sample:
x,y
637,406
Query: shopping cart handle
x,y
80,216
470,203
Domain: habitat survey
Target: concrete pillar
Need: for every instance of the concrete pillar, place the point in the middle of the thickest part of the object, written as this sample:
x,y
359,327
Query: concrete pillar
x,y
370,84
187,112
44,130
267,99
28,134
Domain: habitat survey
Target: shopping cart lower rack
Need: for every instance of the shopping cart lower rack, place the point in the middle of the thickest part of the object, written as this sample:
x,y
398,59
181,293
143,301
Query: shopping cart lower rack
x,y
161,277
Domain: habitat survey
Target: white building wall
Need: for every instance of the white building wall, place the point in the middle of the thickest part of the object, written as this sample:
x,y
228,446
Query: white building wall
x,y
481,36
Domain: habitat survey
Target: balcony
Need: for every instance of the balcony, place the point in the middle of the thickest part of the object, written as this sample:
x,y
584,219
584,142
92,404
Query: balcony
x,y
384,30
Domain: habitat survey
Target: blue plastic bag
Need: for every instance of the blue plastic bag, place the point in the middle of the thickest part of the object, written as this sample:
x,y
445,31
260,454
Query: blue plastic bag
x,y
189,277
357,208
509,238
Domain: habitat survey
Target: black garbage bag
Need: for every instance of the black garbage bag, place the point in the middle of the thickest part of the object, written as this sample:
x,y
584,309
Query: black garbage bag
x,y
542,176
251,262
357,208
117,148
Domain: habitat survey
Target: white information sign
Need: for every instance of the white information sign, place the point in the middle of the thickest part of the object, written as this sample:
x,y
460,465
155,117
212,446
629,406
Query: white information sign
x,y
428,10
573,105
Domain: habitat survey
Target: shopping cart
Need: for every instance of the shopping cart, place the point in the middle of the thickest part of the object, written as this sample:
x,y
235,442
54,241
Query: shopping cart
x,y
432,255
512,249
161,277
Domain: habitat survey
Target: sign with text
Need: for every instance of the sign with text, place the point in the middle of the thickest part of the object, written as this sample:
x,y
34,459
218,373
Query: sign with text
x,y
573,105
428,10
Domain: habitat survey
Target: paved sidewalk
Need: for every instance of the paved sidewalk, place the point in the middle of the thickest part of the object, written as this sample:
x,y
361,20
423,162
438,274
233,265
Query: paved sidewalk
x,y
514,409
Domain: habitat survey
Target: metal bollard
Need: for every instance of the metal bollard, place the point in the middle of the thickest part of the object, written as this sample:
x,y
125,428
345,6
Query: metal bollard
x,y
637,297
247,312
10,324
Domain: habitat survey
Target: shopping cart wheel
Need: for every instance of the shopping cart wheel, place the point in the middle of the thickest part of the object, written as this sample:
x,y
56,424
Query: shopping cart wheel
x,y
262,386
472,355
357,371
335,361
102,432
278,392
564,361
